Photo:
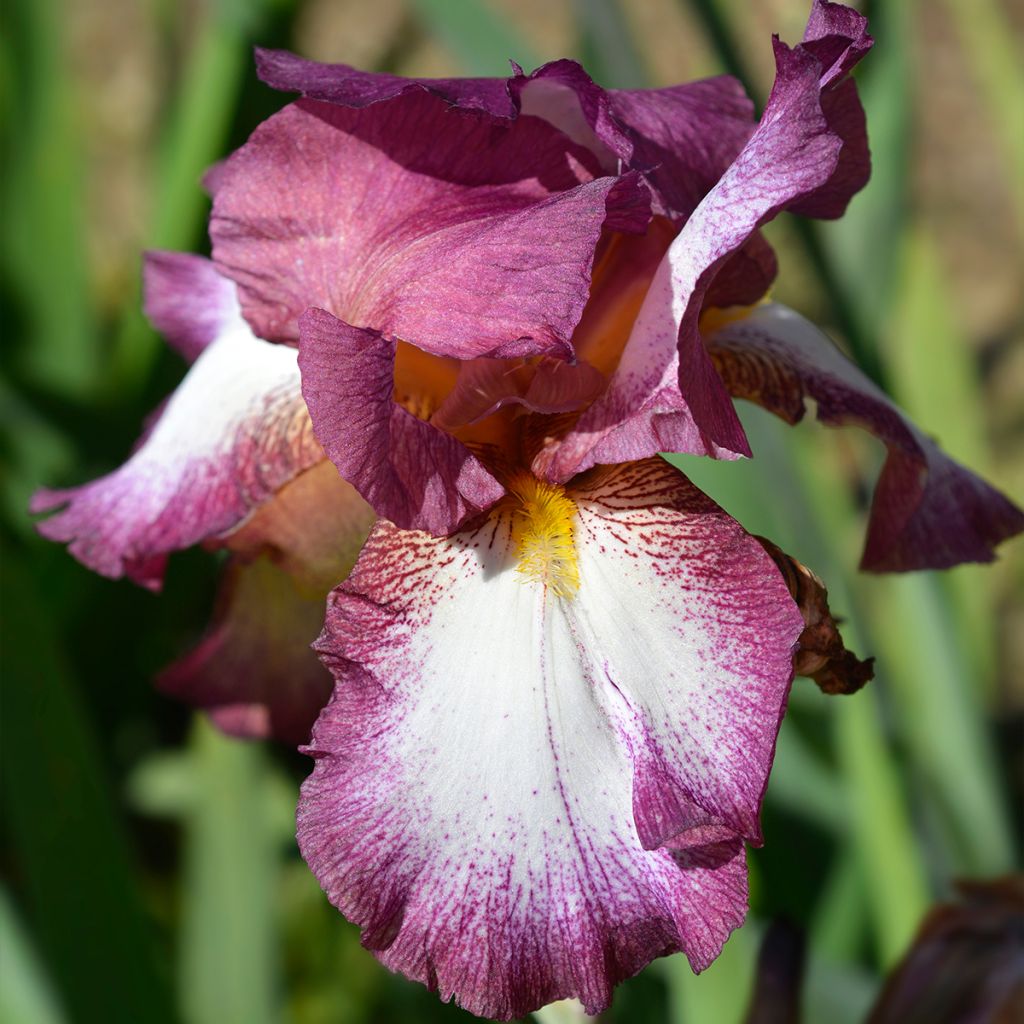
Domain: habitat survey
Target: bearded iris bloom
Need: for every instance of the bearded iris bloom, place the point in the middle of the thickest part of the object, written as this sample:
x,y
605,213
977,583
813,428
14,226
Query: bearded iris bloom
x,y
486,306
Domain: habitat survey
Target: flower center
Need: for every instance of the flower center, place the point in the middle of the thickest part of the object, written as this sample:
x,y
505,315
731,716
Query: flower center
x,y
543,528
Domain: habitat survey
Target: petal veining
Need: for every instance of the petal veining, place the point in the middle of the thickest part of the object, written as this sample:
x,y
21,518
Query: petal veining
x,y
463,235
521,796
808,153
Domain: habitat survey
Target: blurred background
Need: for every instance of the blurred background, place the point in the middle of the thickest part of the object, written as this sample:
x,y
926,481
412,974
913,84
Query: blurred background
x,y
150,871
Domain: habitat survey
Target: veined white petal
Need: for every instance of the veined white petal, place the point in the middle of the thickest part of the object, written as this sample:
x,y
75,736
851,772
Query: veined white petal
x,y
234,431
479,767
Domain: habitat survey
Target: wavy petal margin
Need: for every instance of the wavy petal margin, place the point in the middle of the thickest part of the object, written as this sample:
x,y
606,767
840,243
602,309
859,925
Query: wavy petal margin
x,y
665,395
235,430
522,798
928,512
463,235
682,137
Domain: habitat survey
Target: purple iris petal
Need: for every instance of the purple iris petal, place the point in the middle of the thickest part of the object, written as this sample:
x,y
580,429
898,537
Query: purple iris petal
x,y
462,235
665,391
928,512
521,796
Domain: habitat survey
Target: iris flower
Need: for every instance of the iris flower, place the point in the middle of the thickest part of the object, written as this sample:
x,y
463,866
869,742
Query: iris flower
x,y
485,306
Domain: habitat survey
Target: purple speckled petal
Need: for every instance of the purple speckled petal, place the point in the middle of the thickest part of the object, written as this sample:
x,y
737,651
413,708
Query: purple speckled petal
x,y
187,301
409,471
666,395
521,797
928,512
463,235
234,431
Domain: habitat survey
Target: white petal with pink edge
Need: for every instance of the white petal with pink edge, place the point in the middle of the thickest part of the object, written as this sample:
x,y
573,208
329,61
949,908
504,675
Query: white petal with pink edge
x,y
234,431
522,797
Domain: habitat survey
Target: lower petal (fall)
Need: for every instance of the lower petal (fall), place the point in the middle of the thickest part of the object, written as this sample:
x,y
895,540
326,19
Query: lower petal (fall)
x,y
234,431
522,797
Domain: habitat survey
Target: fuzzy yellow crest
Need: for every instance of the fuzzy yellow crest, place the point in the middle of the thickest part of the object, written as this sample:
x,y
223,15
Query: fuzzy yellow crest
x,y
544,527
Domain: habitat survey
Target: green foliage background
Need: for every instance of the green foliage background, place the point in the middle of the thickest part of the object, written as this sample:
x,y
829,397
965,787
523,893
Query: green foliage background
x,y
150,872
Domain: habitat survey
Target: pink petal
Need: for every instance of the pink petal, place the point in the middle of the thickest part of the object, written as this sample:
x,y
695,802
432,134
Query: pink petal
x,y
522,797
683,137
928,512
187,301
462,235
350,87
666,395
254,671
234,431
409,471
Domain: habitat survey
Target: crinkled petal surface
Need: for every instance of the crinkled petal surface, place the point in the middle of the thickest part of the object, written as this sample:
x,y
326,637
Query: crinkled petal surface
x,y
408,470
254,671
462,234
234,431
665,395
929,512
682,137
521,797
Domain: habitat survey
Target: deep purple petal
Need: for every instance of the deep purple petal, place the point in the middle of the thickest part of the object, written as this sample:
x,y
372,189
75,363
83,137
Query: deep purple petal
x,y
683,137
522,797
665,391
234,431
928,512
409,471
350,87
462,235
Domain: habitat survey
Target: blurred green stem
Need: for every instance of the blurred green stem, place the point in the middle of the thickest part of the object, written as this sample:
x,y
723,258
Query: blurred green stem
x,y
227,951
67,838
209,86
26,993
